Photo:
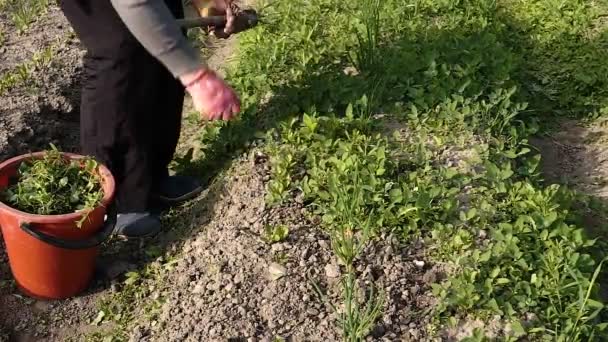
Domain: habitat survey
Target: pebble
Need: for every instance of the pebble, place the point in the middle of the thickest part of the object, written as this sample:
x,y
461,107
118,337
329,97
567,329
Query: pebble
x,y
276,271
312,312
198,289
332,271
213,286
415,289
238,278
419,263
429,277
277,247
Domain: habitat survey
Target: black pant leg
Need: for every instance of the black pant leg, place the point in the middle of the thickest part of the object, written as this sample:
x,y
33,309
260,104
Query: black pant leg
x,y
119,108
165,128
166,113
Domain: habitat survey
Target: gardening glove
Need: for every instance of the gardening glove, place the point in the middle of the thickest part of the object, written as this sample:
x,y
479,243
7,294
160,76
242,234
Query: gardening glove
x,y
211,96
206,8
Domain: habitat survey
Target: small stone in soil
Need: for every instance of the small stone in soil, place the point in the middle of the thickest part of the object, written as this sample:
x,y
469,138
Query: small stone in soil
x,y
198,289
312,312
419,263
332,271
276,271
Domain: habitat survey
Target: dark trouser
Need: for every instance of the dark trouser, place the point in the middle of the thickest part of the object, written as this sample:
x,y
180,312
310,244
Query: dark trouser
x,y
131,105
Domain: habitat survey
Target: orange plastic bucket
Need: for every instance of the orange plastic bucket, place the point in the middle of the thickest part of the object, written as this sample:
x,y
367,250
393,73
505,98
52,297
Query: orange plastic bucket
x,y
49,256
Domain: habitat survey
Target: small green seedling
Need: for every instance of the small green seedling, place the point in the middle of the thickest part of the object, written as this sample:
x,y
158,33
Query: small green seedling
x,y
273,234
281,258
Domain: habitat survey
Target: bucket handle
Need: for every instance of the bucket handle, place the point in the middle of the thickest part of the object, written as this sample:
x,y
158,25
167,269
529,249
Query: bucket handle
x,y
90,242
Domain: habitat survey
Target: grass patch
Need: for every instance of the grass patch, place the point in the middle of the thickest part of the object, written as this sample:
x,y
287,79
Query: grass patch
x,y
23,13
23,73
459,173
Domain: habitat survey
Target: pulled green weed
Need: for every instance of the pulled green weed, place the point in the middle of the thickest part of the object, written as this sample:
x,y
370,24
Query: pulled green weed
x,y
54,185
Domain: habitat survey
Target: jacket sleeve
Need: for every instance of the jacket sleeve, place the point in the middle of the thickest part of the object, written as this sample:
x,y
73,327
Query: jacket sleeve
x,y
154,26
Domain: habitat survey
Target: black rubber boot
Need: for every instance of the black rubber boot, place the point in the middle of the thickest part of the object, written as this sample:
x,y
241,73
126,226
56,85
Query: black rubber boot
x,y
176,189
137,225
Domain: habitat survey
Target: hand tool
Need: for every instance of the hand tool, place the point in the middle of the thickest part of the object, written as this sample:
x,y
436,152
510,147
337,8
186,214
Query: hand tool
x,y
244,20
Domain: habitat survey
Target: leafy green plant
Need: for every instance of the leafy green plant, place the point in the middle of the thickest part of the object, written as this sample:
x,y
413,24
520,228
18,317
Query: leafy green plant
x,y
54,185
358,315
461,176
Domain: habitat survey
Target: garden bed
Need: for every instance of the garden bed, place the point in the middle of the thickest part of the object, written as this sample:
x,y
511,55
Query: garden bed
x,y
392,155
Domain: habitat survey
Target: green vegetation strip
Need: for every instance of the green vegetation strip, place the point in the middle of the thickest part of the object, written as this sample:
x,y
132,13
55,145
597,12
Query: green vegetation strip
x,y
466,82
413,117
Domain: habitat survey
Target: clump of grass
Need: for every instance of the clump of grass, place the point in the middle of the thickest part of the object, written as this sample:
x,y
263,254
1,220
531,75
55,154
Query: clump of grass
x,y
24,12
54,185
366,55
23,74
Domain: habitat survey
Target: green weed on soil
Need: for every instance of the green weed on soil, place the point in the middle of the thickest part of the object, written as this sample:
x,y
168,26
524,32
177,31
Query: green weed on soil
x,y
22,73
413,117
24,12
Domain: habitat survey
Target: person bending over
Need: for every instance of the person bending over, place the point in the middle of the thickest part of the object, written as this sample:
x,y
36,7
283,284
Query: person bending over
x,y
137,67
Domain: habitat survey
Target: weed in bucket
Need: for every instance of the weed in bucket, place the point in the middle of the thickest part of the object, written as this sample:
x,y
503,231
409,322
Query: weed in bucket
x,y
54,185
56,209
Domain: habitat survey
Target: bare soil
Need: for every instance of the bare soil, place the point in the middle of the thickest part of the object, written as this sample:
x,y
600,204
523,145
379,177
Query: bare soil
x,y
41,110
231,284
576,154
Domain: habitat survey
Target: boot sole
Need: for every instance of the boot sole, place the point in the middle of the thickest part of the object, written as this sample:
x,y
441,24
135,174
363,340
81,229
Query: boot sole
x,y
177,200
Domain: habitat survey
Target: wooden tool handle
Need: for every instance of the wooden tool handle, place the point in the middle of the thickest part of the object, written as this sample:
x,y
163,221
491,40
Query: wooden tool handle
x,y
217,21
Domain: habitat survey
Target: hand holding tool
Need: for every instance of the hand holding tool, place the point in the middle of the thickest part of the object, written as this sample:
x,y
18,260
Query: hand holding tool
x,y
244,20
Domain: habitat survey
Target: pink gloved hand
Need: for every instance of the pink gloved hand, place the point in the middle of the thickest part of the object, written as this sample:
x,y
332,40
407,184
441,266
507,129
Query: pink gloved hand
x,y
227,7
211,96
